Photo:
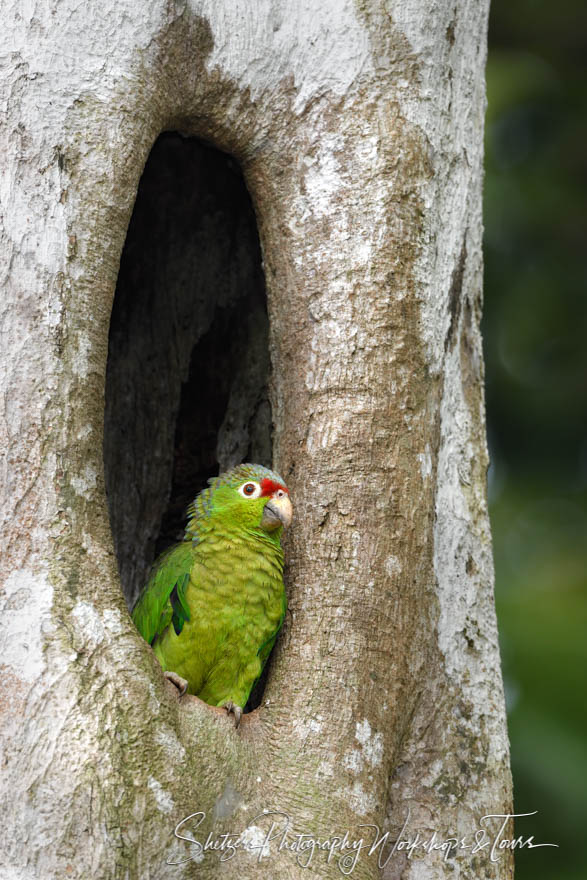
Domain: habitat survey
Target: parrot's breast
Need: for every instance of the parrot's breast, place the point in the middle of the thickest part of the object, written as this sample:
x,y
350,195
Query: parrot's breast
x,y
236,600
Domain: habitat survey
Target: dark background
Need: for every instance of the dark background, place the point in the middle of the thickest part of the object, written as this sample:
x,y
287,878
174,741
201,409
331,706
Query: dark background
x,y
535,338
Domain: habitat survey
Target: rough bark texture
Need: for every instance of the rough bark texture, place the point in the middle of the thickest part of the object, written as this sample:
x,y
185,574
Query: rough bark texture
x,y
358,127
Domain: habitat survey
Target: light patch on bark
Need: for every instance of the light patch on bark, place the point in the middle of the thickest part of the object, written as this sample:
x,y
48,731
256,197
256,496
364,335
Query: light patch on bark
x,y
305,728
325,50
325,768
253,840
425,460
80,360
463,566
163,798
92,627
85,484
25,605
372,743
228,802
353,761
112,620
393,566
167,738
323,179
362,802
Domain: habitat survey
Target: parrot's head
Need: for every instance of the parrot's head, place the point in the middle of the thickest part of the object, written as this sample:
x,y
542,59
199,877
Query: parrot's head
x,y
248,496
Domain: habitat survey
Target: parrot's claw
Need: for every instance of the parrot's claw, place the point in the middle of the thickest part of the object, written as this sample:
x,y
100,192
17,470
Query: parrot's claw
x,y
236,711
180,683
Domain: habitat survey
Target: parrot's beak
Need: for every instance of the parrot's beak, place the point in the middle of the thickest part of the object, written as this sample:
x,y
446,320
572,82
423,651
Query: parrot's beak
x,y
277,512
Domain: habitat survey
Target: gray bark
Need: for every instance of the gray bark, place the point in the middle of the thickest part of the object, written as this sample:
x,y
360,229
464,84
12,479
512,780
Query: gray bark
x,y
358,128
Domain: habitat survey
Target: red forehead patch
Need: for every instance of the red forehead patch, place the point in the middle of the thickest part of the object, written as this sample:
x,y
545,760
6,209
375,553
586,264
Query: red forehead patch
x,y
268,487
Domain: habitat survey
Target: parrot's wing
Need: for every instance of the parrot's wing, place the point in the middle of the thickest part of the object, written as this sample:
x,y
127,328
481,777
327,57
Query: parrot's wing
x,y
162,600
266,647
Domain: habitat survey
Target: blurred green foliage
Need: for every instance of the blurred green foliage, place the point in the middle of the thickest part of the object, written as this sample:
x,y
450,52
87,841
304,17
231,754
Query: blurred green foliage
x,y
535,332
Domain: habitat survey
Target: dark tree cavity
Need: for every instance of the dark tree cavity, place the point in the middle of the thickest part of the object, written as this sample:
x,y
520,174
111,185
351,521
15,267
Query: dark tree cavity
x,y
188,357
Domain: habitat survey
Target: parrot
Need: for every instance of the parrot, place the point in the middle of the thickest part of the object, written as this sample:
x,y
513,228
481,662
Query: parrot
x,y
214,603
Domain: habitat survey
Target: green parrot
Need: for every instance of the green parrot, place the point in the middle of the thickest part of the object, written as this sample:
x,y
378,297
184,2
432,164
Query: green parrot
x,y
214,603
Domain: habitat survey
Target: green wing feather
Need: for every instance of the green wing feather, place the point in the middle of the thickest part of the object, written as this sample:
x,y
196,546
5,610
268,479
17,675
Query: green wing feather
x,y
267,646
162,600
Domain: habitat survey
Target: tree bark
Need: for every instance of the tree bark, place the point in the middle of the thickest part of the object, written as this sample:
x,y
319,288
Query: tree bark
x,y
359,131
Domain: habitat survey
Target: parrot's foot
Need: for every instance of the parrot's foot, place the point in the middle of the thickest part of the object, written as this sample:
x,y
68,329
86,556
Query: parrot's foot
x,y
236,711
180,683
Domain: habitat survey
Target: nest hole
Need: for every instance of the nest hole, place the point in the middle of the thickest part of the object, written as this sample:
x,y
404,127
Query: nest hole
x,y
188,352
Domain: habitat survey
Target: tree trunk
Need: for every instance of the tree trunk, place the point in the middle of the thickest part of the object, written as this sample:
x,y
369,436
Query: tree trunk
x,y
358,128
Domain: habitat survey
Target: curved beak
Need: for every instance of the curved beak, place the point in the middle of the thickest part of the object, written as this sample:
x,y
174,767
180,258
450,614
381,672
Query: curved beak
x,y
277,512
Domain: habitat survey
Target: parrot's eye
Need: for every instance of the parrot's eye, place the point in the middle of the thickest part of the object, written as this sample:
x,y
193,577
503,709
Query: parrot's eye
x,y
279,494
250,490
